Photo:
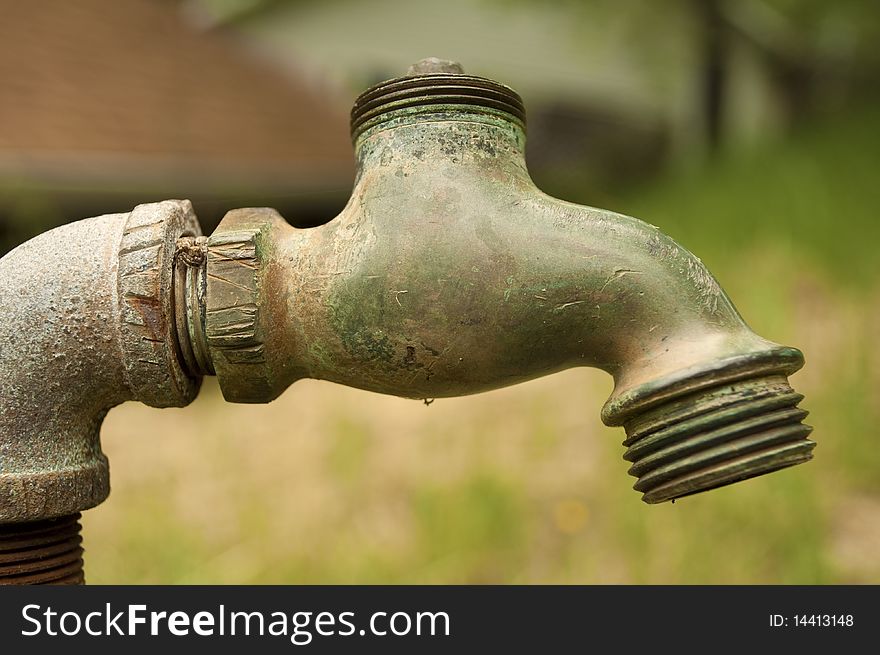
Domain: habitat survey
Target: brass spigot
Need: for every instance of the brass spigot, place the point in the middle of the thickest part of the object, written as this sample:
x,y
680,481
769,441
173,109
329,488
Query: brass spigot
x,y
447,273
450,273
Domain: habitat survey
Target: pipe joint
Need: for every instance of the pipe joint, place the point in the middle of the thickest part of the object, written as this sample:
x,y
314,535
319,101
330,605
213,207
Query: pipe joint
x,y
87,323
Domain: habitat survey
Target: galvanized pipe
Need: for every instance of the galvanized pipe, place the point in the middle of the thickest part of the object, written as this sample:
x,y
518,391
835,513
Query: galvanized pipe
x,y
86,324
42,552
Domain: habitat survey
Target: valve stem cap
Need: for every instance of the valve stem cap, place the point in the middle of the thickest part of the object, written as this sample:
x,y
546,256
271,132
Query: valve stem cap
x,y
717,436
435,66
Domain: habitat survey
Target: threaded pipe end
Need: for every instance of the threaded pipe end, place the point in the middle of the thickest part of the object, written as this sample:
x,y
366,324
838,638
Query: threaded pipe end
x,y
717,436
42,552
189,293
430,92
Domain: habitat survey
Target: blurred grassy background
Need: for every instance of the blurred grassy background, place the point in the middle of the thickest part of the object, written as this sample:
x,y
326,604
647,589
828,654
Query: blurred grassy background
x,y
334,485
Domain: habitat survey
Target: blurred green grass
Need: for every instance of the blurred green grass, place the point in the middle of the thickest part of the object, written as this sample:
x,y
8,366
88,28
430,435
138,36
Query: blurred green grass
x,y
523,485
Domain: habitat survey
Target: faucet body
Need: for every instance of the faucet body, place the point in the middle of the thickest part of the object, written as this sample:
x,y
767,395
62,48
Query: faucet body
x,y
447,273
450,273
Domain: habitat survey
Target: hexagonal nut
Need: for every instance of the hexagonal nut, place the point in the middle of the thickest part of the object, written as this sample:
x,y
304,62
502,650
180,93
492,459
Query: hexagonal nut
x,y
234,332
153,368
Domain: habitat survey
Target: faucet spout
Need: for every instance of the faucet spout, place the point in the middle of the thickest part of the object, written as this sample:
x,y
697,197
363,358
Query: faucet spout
x,y
450,273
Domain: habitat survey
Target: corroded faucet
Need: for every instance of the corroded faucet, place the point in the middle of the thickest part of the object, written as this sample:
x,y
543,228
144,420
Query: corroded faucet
x,y
447,273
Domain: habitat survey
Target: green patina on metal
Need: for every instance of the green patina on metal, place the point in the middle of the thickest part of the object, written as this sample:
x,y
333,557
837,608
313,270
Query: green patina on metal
x,y
450,273
447,273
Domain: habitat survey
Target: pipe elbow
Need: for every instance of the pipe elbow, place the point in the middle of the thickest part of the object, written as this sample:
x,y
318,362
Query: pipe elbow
x,y
86,325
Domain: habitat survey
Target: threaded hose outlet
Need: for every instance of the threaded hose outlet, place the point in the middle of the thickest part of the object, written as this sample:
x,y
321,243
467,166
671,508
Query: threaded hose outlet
x,y
717,436
42,552
434,85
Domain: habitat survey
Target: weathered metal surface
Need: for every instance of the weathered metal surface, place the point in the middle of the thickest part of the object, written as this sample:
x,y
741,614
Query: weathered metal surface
x,y
190,292
146,281
430,93
716,436
450,273
87,323
42,552
447,273
432,65
236,339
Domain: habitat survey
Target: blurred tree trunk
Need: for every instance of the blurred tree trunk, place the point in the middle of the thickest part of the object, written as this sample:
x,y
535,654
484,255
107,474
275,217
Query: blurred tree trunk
x,y
793,65
713,69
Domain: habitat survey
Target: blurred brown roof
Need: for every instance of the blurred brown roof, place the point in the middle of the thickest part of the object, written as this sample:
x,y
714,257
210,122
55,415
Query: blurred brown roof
x,y
127,92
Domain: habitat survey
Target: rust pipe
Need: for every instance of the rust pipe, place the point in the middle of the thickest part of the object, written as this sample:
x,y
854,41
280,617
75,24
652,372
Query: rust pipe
x,y
87,323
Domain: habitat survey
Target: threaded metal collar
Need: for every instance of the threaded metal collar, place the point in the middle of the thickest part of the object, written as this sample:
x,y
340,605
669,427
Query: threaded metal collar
x,y
434,90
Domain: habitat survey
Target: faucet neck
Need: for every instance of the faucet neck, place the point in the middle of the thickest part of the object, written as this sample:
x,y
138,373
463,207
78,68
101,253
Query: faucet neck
x,y
416,128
